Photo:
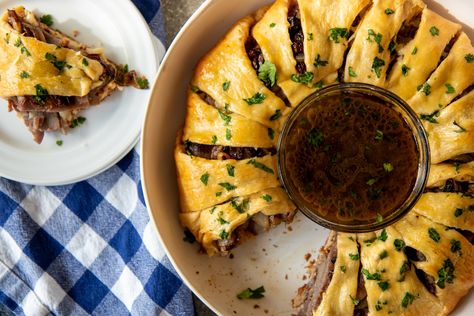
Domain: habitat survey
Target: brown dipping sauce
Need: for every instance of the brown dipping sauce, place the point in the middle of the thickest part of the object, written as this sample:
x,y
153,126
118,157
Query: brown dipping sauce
x,y
352,158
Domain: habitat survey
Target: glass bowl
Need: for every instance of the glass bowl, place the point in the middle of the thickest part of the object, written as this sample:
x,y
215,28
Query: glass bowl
x,y
389,99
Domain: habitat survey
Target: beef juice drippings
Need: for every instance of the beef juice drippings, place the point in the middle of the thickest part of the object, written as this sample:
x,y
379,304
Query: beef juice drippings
x,y
352,158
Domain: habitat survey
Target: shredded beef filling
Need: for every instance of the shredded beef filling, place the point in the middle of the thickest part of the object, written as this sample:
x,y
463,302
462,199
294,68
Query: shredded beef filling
x,y
297,38
414,255
427,280
254,53
226,152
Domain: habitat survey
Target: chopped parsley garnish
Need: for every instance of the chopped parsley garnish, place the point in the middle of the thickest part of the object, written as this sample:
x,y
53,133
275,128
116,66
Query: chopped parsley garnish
x,y
378,306
434,234
392,46
230,170
319,84
223,234
405,70
383,235
7,38
387,166
434,31
371,276
399,244
318,62
445,274
305,78
354,300
214,139
226,85
343,269
228,134
371,181
24,75
338,32
449,88
407,299
54,60
249,293
22,47
59,142
405,267
310,36
388,11
272,25
47,19
41,94
271,133
226,118
205,178
430,117
267,72
189,237
260,165
414,51
458,212
455,246
195,89
383,285
377,38
267,197
242,207
315,137
469,58
275,116
378,135
377,66
379,218
142,83
85,62
461,129
352,73
383,254
457,166
354,256
369,242
257,98
425,88
218,194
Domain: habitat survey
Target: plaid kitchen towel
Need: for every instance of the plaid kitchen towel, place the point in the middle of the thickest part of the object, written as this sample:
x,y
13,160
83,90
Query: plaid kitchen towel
x,y
89,247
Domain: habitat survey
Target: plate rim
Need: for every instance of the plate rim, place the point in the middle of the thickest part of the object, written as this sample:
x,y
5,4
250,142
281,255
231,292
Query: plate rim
x,y
120,153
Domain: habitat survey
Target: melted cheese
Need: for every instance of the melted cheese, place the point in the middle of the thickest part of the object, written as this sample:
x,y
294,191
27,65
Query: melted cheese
x,y
427,54
414,230
20,54
448,140
454,70
204,122
213,223
318,17
247,179
343,283
442,172
450,209
364,51
228,62
379,256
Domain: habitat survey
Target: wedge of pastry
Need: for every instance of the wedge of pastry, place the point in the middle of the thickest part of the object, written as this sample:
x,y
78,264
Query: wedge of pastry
x,y
48,78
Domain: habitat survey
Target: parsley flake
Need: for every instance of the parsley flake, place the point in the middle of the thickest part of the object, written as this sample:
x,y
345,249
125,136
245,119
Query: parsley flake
x,y
405,70
142,83
205,178
430,117
85,62
275,116
469,58
407,299
383,285
272,25
315,137
47,19
388,11
267,72
458,212
227,186
257,98
223,234
399,244
230,170
426,88
226,85
434,31
260,165
41,94
445,274
371,276
377,38
377,66
461,129
214,139
304,78
414,51
354,300
59,142
310,36
249,293
371,181
226,118
378,135
354,256
343,269
352,73
242,207
338,32
271,133
383,235
383,255
318,62
267,197
228,134
24,75
455,246
388,167
449,88
434,234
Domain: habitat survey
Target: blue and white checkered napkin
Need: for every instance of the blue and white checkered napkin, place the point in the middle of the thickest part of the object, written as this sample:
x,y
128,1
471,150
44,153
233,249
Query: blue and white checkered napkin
x,y
89,247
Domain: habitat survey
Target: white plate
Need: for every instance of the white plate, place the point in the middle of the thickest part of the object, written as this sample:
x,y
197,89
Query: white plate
x,y
275,259
112,128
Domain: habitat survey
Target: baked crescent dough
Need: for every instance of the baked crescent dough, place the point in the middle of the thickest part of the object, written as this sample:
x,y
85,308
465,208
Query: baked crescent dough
x,y
19,53
421,55
440,173
454,70
369,56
